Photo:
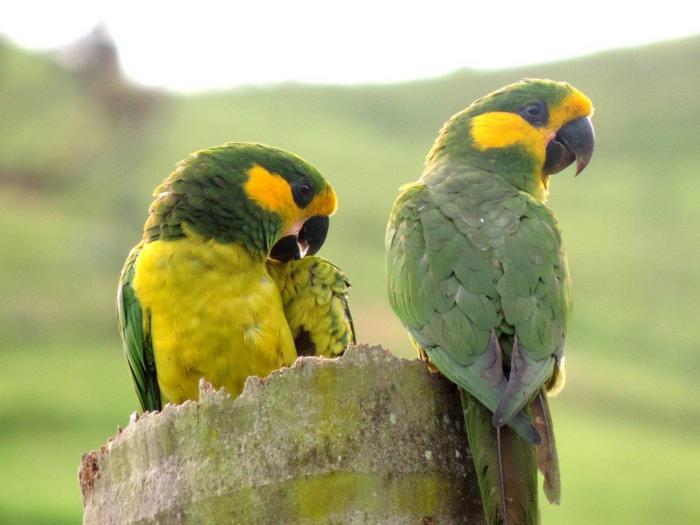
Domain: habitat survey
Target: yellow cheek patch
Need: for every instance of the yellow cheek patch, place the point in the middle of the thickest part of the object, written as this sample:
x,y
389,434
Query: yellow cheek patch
x,y
500,129
271,191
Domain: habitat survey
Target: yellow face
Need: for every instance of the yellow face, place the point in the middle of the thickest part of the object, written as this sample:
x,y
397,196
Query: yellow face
x,y
273,193
303,209
523,132
500,129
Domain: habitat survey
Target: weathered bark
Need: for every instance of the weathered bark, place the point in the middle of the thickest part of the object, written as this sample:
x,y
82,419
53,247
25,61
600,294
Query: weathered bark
x,y
366,438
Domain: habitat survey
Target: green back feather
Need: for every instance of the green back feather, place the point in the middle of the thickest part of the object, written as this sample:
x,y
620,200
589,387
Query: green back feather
x,y
468,254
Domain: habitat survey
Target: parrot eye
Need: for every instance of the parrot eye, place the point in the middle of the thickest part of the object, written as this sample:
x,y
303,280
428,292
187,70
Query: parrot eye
x,y
535,113
302,193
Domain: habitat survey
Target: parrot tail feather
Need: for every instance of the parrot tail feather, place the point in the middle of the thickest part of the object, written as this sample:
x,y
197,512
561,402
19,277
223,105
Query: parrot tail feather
x,y
506,467
547,457
501,476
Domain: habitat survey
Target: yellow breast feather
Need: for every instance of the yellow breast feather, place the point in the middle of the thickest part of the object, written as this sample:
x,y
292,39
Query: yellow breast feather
x,y
215,313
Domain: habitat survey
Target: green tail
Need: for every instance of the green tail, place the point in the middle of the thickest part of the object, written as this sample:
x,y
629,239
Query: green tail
x,y
507,474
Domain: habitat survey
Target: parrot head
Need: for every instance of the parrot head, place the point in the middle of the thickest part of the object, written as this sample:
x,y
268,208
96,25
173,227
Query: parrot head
x,y
524,132
267,199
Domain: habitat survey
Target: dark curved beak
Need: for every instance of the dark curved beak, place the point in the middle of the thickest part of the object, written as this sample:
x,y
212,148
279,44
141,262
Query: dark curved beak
x,y
311,237
286,249
574,141
313,233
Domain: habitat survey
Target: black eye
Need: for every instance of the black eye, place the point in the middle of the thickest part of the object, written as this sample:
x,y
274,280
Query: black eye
x,y
302,193
535,113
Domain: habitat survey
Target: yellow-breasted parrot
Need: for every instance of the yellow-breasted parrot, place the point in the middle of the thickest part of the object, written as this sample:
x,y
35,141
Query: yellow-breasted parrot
x,y
224,284
478,275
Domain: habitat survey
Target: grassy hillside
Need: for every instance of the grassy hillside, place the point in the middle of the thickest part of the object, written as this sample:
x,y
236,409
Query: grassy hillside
x,y
75,183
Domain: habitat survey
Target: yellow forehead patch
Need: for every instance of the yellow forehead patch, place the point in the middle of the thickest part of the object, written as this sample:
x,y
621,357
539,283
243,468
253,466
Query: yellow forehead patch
x,y
573,106
324,203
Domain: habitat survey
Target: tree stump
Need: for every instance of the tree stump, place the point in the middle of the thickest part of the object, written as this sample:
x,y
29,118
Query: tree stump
x,y
366,438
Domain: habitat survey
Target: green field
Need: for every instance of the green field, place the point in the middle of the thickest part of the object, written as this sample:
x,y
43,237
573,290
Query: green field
x,y
75,181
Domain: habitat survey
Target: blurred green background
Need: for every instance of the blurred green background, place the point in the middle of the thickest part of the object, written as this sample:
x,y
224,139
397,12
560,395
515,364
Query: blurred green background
x,y
81,151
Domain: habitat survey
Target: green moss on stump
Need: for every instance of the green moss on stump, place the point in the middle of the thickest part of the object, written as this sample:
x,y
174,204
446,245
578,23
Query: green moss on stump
x,y
366,438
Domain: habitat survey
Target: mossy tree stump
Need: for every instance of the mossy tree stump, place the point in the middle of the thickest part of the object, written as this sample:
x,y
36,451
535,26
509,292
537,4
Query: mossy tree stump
x,y
366,438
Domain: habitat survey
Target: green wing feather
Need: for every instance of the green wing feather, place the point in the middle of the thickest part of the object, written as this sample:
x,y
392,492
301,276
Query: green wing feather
x,y
134,325
315,299
536,298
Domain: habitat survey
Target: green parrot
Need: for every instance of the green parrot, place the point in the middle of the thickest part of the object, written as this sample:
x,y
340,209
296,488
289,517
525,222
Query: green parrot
x,y
478,275
224,283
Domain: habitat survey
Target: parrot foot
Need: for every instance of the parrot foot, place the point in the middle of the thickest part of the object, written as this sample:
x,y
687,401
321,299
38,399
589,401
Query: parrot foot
x,y
424,357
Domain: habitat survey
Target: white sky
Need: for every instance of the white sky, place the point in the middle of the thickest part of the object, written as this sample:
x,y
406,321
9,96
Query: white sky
x,y
211,45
